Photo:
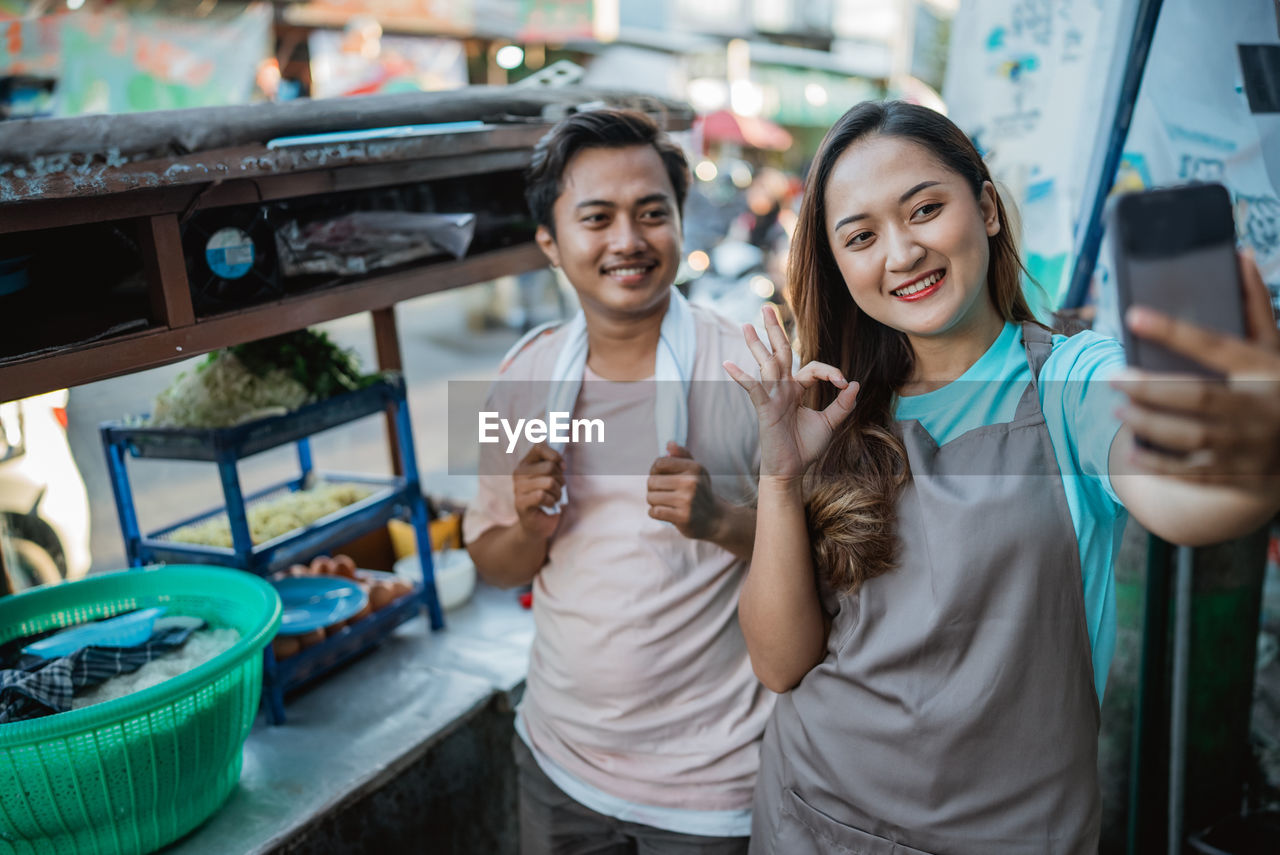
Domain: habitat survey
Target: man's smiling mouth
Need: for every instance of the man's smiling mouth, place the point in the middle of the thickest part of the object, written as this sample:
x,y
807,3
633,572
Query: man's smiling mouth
x,y
630,271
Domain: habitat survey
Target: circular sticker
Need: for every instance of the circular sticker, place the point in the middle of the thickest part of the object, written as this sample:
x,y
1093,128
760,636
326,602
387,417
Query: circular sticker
x,y
229,253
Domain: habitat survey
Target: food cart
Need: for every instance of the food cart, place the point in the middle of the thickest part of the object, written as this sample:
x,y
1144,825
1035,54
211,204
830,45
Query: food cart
x,y
140,240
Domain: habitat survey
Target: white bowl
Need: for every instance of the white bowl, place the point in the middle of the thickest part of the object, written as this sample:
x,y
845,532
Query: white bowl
x,y
454,571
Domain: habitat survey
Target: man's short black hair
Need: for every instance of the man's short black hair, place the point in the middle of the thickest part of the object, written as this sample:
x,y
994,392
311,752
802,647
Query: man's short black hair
x,y
610,128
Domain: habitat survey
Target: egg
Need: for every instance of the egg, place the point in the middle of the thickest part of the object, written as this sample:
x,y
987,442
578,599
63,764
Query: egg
x,y
285,646
311,639
344,565
380,595
323,565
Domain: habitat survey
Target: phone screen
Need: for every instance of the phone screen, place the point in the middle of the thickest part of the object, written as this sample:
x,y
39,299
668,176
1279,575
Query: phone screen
x,y
1176,253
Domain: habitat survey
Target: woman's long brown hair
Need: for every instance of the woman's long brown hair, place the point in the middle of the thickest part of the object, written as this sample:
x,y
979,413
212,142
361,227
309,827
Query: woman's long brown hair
x,y
852,489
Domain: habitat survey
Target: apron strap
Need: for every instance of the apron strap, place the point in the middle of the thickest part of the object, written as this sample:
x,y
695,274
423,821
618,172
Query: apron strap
x,y
1038,343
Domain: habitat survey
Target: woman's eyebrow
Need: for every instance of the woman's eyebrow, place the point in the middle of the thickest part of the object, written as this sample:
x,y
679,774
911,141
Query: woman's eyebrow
x,y
914,190
901,199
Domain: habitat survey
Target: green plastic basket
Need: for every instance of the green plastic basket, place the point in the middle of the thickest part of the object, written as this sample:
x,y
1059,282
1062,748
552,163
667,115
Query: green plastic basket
x,y
133,774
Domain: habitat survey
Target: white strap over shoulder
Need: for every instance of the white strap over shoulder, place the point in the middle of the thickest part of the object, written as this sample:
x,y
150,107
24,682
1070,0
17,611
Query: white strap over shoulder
x,y
524,341
673,369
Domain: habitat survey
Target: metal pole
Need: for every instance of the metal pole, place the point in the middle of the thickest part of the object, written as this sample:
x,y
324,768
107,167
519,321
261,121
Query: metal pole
x,y
1131,81
1148,776
5,587
1178,713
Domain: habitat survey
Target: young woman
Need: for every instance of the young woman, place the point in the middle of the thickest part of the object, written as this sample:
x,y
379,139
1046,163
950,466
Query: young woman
x,y
932,583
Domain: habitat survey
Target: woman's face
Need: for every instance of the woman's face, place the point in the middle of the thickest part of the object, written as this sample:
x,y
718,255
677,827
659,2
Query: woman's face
x,y
910,239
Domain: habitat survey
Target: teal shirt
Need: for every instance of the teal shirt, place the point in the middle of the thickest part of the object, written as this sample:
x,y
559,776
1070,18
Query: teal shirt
x,y
1079,409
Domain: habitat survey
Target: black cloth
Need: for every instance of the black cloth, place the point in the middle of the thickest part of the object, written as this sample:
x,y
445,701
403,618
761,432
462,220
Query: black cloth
x,y
37,687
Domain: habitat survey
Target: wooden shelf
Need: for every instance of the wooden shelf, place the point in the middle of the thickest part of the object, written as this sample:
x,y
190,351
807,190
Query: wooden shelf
x,y
154,197
72,366
251,175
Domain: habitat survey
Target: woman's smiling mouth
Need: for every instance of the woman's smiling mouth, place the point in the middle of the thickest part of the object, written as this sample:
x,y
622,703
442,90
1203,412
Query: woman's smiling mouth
x,y
920,288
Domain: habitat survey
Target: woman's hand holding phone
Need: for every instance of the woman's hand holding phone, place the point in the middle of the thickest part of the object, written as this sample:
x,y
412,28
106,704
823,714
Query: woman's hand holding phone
x,y
791,434
1213,431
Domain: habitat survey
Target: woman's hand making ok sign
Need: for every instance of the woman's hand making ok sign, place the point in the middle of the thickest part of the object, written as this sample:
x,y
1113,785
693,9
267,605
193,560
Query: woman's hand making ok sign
x,y
791,435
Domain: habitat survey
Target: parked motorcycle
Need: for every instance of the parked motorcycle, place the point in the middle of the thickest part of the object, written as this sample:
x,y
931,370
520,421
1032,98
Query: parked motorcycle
x,y
44,508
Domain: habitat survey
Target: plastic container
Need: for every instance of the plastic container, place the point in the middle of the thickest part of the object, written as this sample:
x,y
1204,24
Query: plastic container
x,y
454,571
138,772
445,531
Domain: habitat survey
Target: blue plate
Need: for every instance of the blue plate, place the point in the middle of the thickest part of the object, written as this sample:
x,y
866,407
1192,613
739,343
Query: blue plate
x,y
127,630
314,602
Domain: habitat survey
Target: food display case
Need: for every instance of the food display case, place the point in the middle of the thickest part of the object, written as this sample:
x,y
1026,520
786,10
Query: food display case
x,y
399,496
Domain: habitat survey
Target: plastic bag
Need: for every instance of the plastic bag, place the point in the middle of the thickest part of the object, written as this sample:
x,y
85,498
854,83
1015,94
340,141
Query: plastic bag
x,y
357,243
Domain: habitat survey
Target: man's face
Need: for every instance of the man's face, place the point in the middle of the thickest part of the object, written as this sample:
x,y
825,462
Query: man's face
x,y
617,231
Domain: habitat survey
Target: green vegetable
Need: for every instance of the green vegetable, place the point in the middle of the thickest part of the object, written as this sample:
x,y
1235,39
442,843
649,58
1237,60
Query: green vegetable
x,y
307,356
263,378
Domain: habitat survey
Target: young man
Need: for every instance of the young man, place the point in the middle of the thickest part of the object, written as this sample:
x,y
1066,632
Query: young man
x,y
641,720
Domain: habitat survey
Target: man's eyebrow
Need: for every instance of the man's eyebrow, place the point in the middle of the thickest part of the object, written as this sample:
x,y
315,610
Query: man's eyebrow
x,y
644,200
901,199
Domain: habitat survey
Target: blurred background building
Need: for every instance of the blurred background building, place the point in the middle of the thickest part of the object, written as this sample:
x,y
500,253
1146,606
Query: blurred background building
x,y
796,64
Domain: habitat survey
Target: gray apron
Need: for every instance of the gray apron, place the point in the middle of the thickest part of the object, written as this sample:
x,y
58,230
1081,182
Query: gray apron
x,y
955,711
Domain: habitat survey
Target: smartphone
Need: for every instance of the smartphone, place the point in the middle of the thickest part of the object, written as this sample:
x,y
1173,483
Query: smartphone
x,y
1175,252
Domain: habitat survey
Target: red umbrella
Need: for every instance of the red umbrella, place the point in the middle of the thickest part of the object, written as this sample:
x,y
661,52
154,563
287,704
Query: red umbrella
x,y
725,126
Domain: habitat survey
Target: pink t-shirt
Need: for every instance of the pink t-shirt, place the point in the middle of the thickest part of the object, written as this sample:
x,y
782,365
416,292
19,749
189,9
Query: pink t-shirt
x,y
639,682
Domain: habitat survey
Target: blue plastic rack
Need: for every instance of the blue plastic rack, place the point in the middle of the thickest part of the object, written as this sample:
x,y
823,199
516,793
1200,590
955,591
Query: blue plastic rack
x,y
395,497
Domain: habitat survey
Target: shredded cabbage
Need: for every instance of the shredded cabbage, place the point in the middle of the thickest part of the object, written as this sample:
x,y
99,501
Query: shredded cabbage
x,y
222,393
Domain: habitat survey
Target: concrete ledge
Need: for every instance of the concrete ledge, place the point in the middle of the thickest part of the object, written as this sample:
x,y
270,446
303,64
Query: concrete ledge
x,y
410,743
